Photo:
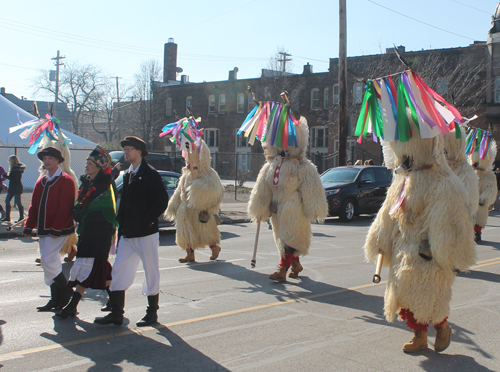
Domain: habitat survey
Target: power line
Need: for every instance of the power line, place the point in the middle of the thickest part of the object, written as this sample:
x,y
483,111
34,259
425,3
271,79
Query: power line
x,y
416,20
479,10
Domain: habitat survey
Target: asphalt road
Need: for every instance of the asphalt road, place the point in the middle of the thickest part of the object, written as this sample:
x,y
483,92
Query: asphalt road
x,y
225,316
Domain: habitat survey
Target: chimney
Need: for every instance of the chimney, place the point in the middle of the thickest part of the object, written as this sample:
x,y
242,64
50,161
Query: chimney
x,y
184,79
170,61
2,91
233,74
308,69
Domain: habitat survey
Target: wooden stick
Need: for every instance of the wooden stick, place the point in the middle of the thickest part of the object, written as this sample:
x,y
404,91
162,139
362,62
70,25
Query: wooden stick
x,y
376,277
9,228
254,258
284,95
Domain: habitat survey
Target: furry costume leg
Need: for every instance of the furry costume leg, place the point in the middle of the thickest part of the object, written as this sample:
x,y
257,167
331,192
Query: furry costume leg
x,y
419,340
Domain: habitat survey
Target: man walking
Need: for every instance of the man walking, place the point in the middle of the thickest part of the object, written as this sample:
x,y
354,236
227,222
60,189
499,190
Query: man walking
x,y
51,213
143,200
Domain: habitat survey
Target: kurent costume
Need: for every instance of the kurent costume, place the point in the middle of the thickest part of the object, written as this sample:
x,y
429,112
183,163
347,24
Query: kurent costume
x,y
95,212
482,153
51,213
196,201
143,200
457,161
288,187
423,227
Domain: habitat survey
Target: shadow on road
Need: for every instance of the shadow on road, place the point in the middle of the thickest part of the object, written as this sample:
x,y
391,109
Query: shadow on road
x,y
112,348
481,275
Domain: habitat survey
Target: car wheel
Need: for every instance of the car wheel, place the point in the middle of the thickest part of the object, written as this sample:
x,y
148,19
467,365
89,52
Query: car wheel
x,y
347,211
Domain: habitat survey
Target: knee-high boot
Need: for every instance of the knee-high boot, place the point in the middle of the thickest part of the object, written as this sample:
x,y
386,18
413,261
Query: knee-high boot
x,y
70,310
21,213
55,296
108,303
115,317
65,291
7,212
151,316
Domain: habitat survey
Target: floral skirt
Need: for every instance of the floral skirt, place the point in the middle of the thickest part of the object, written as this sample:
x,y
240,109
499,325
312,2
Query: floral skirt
x,y
90,272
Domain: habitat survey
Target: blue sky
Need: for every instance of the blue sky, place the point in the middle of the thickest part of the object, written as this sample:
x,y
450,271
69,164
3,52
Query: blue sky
x,y
215,36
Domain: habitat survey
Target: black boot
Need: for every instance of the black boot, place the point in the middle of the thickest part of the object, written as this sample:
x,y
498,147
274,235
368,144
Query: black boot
x,y
151,316
115,317
2,212
55,296
65,291
70,310
108,304
21,213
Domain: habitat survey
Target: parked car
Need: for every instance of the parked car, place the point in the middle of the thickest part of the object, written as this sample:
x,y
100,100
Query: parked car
x,y
353,190
156,160
170,181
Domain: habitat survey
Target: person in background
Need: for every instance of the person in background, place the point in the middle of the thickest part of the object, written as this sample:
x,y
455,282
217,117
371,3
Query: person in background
x,y
358,162
95,211
369,162
2,188
16,170
496,205
115,171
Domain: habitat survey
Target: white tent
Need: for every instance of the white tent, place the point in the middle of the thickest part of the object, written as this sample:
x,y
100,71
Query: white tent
x,y
11,143
8,118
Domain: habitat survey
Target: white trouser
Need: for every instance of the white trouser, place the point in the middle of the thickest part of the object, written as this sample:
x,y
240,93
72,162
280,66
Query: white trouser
x,y
50,256
130,251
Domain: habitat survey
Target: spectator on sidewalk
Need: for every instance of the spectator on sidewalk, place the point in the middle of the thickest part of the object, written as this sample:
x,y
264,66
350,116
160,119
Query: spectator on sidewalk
x,y
2,188
496,205
15,189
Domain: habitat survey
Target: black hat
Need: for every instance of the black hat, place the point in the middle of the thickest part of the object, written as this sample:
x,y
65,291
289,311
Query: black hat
x,y
136,142
51,151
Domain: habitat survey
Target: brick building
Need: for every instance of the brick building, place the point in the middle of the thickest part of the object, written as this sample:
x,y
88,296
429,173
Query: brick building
x,y
468,77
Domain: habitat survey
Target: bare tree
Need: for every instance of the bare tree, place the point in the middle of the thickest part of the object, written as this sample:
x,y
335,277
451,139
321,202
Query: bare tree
x,y
140,116
78,86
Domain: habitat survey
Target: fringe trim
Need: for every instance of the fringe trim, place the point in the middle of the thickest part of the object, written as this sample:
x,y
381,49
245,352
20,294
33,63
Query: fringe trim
x,y
411,322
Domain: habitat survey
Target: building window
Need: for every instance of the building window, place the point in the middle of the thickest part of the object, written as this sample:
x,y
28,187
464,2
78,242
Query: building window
x,y
222,103
240,103
441,86
189,104
241,140
168,107
336,94
211,104
497,89
326,97
357,92
251,103
319,137
243,161
211,137
315,99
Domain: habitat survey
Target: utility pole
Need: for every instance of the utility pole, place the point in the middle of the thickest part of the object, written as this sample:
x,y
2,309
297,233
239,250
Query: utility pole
x,y
57,64
284,60
342,83
117,108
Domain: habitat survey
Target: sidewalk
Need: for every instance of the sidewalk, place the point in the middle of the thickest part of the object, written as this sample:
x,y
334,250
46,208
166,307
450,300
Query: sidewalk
x,y
230,213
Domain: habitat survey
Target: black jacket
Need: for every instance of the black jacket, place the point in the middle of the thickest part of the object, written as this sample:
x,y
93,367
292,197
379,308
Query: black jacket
x,y
143,200
15,175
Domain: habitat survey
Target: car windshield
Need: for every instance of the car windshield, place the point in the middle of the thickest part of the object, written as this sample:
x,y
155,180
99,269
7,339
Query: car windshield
x,y
116,156
343,175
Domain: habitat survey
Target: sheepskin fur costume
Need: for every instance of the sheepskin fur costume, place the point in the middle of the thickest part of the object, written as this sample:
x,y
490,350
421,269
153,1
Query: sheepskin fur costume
x,y
487,182
457,160
434,211
299,195
199,189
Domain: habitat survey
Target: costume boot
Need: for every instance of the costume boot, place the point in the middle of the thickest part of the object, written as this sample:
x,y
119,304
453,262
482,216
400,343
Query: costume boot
x,y
54,298
296,268
2,212
70,310
443,337
108,304
418,342
280,274
115,317
7,213
477,233
215,251
151,316
65,291
189,257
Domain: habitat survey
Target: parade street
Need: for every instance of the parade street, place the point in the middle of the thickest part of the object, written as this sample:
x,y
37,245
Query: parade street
x,y
226,316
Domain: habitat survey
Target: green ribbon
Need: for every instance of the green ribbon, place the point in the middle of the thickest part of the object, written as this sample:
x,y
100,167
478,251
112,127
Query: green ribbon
x,y
281,122
458,131
404,133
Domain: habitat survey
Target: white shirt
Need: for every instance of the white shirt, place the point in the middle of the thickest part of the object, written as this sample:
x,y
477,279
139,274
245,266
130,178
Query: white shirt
x,y
132,170
57,173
